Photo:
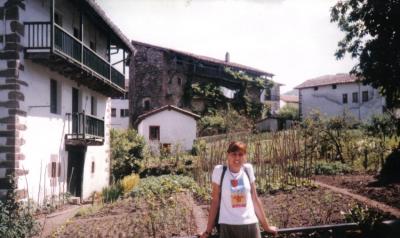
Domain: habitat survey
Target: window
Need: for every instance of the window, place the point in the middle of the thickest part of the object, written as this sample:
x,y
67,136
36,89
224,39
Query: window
x,y
344,98
355,97
58,18
92,167
124,112
334,86
170,81
93,106
315,88
267,95
365,96
146,105
53,96
154,132
113,112
76,33
53,169
179,81
92,45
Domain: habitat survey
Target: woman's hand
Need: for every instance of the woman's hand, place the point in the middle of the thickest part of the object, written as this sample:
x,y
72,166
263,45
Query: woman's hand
x,y
205,234
273,230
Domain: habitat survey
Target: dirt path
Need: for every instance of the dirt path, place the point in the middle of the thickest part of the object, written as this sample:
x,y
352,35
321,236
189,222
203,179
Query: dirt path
x,y
200,218
52,221
372,203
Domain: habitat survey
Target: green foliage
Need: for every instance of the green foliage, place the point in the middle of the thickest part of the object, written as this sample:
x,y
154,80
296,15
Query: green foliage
x,y
371,35
166,185
16,220
381,125
223,121
240,75
128,149
112,193
331,168
365,217
289,112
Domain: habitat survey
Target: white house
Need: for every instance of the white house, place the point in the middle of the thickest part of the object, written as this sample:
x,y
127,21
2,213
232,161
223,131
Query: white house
x,y
120,113
168,126
57,72
289,100
334,94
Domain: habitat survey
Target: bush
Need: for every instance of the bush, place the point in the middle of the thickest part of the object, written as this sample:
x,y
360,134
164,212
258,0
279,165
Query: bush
x,y
165,185
16,220
112,193
128,149
129,182
331,168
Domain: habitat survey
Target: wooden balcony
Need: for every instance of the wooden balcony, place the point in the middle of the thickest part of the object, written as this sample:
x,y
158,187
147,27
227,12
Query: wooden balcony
x,y
50,45
84,130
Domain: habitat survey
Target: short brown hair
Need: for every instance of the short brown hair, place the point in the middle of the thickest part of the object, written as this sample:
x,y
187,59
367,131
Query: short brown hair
x,y
236,146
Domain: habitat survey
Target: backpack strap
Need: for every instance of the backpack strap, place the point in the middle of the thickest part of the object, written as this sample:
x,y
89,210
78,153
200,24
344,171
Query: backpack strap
x,y
220,194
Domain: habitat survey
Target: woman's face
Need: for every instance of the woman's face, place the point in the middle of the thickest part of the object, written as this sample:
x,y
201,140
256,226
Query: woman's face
x,y
236,160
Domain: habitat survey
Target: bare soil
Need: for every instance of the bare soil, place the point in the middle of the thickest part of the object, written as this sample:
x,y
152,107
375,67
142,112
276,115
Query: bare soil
x,y
366,185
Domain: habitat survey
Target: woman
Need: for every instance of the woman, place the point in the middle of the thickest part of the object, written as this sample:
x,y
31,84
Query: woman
x,y
240,210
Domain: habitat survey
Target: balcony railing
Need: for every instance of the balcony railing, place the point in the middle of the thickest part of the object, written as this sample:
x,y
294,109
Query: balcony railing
x,y
39,37
83,128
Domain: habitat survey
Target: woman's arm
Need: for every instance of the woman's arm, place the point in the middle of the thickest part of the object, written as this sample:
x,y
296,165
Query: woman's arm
x,y
258,208
213,210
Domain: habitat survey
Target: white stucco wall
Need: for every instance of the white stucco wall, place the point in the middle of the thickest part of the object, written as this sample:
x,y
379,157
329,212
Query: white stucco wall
x,y
175,128
44,136
43,139
329,101
119,122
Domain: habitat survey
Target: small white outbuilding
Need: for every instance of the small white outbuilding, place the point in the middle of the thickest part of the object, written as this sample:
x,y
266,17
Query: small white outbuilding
x,y
168,127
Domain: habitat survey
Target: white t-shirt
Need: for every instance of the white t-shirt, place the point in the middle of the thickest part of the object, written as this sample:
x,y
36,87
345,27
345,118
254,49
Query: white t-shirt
x,y
236,204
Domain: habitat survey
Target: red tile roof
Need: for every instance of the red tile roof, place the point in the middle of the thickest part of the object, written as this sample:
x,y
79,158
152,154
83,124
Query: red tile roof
x,y
166,107
208,59
290,98
328,80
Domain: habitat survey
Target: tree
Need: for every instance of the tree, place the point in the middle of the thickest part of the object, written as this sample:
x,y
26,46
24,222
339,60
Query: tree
x,y
372,34
128,149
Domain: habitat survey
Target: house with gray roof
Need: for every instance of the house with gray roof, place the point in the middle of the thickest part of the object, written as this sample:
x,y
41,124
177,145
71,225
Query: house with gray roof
x,y
333,95
60,63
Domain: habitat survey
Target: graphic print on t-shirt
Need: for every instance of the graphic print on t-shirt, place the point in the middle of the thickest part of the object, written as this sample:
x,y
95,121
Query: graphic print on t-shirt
x,y
238,193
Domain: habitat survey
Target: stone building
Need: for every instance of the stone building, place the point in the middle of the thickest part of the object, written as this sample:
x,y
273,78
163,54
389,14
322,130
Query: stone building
x,y
160,76
58,70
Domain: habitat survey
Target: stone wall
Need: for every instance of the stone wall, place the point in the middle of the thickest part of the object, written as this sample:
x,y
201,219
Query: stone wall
x,y
153,77
11,97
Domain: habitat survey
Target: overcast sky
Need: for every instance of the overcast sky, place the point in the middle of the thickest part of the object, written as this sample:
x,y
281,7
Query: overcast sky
x,y
292,39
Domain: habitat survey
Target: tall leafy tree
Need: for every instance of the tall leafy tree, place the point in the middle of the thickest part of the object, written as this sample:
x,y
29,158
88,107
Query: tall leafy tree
x,y
372,34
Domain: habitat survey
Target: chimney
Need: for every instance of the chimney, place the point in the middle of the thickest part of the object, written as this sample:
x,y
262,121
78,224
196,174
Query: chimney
x,y
227,57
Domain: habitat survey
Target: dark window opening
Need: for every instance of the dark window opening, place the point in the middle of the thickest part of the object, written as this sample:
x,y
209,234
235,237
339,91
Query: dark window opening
x,y
355,97
53,96
345,98
154,132
179,81
166,148
58,19
124,112
267,95
334,86
170,81
93,106
92,45
92,168
147,105
113,112
315,88
365,96
76,33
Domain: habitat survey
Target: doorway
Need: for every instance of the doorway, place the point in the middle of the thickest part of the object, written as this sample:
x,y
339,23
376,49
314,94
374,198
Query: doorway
x,y
76,162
